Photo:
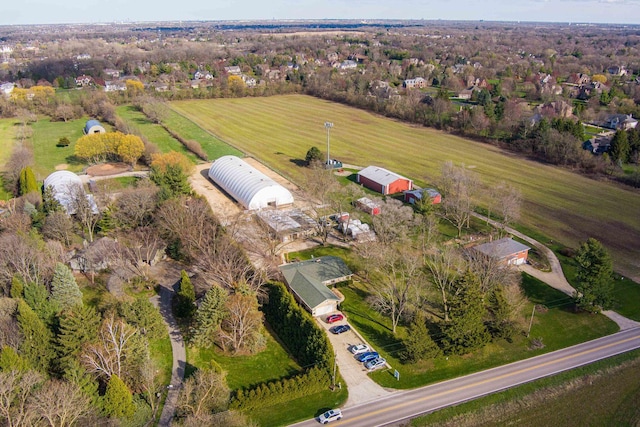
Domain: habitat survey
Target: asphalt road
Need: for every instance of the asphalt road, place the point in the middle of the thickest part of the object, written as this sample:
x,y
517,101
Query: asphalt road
x,y
408,404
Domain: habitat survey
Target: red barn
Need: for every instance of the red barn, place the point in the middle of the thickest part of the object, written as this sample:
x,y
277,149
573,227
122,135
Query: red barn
x,y
506,250
414,196
383,181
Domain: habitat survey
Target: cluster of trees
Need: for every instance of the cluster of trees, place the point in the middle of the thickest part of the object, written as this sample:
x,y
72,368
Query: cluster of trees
x,y
101,147
100,352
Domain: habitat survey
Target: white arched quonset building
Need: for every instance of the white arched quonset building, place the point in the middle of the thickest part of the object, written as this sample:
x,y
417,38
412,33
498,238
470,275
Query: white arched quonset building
x,y
66,186
247,185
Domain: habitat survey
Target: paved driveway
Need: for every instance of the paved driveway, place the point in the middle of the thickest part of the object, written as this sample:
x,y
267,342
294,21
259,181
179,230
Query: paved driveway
x,y
361,387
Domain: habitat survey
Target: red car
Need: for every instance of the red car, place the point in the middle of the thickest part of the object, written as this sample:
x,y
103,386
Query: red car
x,y
334,318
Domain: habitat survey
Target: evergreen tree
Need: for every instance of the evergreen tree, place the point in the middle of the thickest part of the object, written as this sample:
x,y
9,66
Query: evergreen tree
x,y
49,202
501,324
313,155
419,344
466,329
78,326
594,276
118,400
12,361
37,297
144,316
620,147
185,303
209,316
77,374
28,181
17,288
65,292
37,348
172,181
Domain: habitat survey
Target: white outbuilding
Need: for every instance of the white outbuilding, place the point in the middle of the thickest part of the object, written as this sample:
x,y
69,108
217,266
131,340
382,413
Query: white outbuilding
x,y
247,185
66,186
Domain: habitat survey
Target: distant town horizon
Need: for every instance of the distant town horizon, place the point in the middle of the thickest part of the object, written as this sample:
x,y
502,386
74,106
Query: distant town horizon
x,y
49,12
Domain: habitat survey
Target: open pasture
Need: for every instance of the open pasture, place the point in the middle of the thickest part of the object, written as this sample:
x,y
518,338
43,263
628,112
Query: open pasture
x,y
280,129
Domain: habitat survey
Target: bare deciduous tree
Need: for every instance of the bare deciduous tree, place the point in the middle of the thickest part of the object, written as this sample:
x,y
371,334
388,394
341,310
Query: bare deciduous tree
x,y
445,268
60,403
394,221
319,183
16,388
202,394
136,249
84,210
458,185
134,207
397,275
241,327
108,356
58,226
28,257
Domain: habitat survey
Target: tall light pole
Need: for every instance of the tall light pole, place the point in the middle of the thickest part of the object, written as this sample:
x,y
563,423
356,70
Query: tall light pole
x,y
328,126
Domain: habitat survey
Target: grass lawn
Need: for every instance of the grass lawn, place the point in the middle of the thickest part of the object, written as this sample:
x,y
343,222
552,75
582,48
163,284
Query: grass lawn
x,y
7,139
188,130
46,155
151,131
611,387
245,371
280,129
161,353
298,409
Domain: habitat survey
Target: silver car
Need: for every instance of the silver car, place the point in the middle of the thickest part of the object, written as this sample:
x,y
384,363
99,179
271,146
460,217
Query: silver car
x,y
330,415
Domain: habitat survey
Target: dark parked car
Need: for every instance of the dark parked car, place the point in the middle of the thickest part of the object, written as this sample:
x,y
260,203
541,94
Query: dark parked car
x,y
340,329
334,318
369,355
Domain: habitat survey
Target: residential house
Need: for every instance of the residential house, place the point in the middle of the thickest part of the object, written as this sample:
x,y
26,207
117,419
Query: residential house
x,y
83,80
348,65
506,250
115,86
7,88
248,80
417,82
621,122
233,70
111,72
617,70
309,282
599,144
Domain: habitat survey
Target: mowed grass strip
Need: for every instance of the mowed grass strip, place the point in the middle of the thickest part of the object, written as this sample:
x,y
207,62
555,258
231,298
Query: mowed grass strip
x,y
280,129
152,132
188,130
7,139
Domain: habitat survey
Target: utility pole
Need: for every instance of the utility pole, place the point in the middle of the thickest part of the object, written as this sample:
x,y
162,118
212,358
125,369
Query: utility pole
x,y
531,321
328,126
335,367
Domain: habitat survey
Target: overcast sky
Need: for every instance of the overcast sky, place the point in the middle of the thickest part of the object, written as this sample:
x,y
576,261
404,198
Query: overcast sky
x,y
93,11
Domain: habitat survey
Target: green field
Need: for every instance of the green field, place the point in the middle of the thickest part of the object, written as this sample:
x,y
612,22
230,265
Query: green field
x,y
7,139
567,206
45,153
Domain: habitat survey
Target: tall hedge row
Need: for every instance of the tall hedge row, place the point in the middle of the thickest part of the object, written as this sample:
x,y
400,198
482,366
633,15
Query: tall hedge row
x,y
307,343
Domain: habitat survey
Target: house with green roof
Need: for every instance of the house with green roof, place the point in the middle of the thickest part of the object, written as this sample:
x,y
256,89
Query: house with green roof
x,y
310,280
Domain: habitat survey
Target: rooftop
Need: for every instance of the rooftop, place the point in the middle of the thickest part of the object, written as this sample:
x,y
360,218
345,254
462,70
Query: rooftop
x,y
501,248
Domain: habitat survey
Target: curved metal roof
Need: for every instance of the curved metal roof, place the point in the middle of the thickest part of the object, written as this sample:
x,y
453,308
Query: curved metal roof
x,y
91,123
64,185
247,185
